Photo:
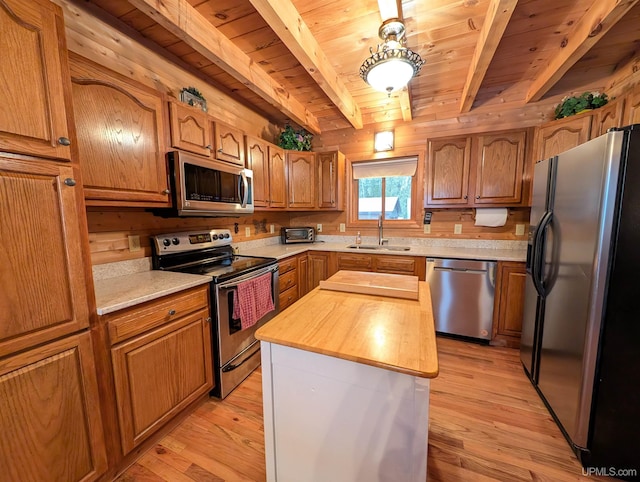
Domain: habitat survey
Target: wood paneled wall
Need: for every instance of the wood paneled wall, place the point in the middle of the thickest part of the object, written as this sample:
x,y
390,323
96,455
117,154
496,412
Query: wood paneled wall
x,y
109,230
442,225
94,38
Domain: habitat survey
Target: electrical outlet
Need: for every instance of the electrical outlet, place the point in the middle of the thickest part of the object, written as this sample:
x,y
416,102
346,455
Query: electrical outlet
x,y
519,229
457,229
319,228
272,228
134,243
247,231
343,228
427,229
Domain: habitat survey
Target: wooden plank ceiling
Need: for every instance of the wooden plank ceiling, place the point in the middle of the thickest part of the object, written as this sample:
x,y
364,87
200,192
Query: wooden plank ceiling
x,y
297,60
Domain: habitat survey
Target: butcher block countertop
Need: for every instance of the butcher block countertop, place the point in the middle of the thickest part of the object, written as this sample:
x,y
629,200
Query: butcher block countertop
x,y
390,333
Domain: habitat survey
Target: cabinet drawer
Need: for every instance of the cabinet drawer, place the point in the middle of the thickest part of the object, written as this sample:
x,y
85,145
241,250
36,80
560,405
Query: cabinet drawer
x,y
287,280
133,321
355,261
288,297
395,264
287,264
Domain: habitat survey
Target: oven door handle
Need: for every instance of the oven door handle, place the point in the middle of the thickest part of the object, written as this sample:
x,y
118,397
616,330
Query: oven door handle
x,y
195,263
254,274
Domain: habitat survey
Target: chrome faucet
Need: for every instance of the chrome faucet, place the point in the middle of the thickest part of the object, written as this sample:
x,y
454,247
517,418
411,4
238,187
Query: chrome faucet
x,y
381,240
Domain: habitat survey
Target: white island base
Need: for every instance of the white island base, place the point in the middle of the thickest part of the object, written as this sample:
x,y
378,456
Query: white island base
x,y
331,419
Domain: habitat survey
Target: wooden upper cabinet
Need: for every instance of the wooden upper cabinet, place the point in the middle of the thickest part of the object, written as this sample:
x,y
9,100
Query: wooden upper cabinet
x,y
331,174
558,136
121,131
258,161
190,129
499,168
35,80
607,117
50,415
277,177
301,167
448,171
482,170
632,107
44,293
228,143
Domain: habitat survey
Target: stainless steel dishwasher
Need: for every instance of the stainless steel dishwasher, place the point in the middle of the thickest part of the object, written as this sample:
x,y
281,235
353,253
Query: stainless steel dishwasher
x,y
462,293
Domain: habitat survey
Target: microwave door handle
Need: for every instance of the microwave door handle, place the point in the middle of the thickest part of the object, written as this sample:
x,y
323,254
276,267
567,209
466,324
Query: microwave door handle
x,y
245,184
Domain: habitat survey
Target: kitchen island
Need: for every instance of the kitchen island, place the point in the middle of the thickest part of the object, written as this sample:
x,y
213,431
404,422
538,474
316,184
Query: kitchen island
x,y
346,387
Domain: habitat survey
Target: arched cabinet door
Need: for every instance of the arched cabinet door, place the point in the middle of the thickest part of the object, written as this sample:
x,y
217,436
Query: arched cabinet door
x,y
121,138
35,80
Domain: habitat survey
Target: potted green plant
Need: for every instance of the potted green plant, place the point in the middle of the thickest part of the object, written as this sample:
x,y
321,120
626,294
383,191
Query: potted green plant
x,y
193,97
586,101
296,140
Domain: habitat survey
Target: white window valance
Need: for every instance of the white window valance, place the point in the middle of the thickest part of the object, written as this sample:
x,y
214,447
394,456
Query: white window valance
x,y
400,166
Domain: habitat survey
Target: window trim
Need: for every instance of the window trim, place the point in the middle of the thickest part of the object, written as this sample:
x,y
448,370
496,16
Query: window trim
x,y
417,190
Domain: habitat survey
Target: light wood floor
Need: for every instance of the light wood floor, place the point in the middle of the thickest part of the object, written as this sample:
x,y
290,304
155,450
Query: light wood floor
x,y
487,423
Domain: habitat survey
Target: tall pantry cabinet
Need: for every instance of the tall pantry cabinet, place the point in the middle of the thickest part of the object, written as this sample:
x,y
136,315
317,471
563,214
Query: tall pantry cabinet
x,y
49,406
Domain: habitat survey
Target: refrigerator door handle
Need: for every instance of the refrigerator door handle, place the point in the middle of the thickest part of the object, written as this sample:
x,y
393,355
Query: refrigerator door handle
x,y
537,255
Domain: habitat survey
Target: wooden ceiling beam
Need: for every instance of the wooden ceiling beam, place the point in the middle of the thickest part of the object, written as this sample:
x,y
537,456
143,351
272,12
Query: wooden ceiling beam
x,y
495,23
598,20
186,23
286,22
405,104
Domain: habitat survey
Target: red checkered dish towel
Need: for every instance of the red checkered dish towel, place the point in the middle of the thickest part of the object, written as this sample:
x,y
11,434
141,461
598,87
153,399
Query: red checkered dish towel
x,y
252,300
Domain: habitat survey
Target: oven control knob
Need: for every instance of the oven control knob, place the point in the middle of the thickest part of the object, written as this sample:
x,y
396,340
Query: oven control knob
x,y
214,237
175,241
227,235
166,241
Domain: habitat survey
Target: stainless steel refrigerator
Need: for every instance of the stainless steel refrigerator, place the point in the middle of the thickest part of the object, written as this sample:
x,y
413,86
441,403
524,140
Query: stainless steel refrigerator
x,y
581,328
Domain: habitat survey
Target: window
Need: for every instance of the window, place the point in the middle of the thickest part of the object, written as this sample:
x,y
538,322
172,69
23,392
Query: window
x,y
384,187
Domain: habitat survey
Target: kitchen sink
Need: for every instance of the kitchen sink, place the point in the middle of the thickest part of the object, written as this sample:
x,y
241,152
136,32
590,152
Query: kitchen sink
x,y
377,247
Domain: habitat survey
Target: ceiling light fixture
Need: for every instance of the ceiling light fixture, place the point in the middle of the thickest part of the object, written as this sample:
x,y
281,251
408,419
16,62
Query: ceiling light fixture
x,y
392,65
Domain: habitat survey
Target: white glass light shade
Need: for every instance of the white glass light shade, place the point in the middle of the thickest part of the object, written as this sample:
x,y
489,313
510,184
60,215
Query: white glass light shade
x,y
390,75
391,66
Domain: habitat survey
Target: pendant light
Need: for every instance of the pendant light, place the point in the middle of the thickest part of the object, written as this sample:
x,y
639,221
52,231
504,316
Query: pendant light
x,y
391,66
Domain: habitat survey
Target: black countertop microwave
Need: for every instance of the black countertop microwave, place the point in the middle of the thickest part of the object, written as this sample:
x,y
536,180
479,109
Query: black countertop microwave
x,y
297,235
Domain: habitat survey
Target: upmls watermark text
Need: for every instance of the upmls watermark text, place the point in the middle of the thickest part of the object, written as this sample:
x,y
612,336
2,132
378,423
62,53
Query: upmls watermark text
x,y
609,472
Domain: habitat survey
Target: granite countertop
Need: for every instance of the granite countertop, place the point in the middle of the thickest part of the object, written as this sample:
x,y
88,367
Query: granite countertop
x,y
113,294
390,333
280,251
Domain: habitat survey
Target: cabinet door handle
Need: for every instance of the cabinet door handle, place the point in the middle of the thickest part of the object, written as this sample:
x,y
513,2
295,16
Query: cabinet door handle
x,y
166,191
466,197
477,197
220,150
172,312
208,146
70,181
207,319
64,141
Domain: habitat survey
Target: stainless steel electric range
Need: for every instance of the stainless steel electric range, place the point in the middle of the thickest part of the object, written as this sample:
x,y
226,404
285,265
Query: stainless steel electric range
x,y
236,352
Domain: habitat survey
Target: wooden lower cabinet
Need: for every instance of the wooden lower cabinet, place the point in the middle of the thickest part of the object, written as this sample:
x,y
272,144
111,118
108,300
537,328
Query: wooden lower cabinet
x,y
508,304
382,263
321,266
50,414
160,372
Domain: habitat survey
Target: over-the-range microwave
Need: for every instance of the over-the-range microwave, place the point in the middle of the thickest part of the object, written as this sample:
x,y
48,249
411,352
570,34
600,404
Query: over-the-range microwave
x,y
205,187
